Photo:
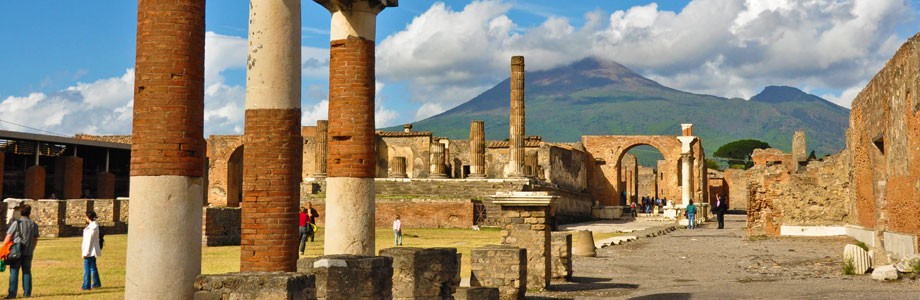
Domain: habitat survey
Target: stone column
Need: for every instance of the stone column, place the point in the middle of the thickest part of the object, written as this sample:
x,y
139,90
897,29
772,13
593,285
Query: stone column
x,y
515,167
352,157
35,183
322,129
72,167
167,151
686,161
437,169
525,224
477,149
799,148
398,167
273,157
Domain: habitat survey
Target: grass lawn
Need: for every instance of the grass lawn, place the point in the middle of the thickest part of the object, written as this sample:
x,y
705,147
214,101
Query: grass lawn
x,y
57,270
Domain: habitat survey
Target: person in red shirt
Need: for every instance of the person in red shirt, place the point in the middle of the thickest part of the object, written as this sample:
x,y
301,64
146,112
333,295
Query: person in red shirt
x,y
305,228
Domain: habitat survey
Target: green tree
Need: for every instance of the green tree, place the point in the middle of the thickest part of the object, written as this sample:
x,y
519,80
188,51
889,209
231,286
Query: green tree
x,y
712,164
739,152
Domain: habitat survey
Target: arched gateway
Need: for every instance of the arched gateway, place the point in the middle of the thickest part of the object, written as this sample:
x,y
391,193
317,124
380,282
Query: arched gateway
x,y
608,151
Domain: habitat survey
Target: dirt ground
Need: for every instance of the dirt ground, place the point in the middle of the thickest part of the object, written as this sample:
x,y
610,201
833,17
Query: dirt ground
x,y
709,263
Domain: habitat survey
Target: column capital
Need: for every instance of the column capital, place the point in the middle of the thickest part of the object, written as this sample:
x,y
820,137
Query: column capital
x,y
685,143
374,6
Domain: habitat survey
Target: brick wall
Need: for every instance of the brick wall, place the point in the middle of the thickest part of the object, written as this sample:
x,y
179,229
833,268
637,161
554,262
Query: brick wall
x,y
167,135
351,150
271,189
502,267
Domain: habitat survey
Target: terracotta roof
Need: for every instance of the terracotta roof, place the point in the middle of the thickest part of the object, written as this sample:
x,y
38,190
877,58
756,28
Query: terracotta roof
x,y
403,133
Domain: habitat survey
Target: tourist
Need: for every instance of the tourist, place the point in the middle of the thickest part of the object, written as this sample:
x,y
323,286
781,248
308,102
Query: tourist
x,y
691,213
632,208
720,209
397,231
312,214
304,228
658,203
25,232
664,201
91,250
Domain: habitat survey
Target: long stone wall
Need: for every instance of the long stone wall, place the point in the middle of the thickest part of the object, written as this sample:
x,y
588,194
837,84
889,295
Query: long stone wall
x,y
64,218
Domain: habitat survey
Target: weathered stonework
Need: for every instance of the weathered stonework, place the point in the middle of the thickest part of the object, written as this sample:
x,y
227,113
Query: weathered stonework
x,y
255,285
225,170
502,267
221,226
350,276
424,273
561,256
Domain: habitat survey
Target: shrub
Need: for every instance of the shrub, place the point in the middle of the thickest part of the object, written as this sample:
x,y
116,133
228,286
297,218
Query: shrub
x,y
915,266
848,268
862,245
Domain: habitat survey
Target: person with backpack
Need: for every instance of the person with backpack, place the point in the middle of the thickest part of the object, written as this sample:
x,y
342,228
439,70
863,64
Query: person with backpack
x,y
23,234
92,248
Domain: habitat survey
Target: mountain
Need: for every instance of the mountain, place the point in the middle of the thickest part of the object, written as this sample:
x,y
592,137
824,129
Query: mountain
x,y
601,97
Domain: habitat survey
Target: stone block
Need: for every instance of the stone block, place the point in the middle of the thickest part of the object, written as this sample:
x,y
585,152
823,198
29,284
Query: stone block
x,y
256,285
584,246
420,273
561,258
859,257
886,272
500,266
350,276
476,293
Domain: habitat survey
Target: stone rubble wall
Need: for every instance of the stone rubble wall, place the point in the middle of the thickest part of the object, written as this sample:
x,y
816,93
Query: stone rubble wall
x,y
561,258
502,267
349,276
424,273
256,285
65,218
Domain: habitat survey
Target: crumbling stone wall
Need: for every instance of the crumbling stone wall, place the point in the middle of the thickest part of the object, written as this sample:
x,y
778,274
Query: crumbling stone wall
x,y
647,181
414,146
219,150
884,138
121,139
567,167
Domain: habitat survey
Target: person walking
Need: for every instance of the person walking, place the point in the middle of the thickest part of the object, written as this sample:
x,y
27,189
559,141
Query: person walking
x,y
720,209
691,214
397,231
312,214
25,232
91,249
303,227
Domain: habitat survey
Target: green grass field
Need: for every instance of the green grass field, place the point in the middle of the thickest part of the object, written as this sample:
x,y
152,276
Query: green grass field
x,y
57,270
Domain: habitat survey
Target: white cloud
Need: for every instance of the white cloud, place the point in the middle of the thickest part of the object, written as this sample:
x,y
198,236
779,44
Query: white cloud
x,y
319,111
728,48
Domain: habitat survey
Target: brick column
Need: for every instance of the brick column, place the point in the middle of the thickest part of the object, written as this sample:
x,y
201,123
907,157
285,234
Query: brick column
x,y
515,167
273,159
437,161
477,149
525,224
73,177
398,167
35,183
352,157
322,130
167,151
105,185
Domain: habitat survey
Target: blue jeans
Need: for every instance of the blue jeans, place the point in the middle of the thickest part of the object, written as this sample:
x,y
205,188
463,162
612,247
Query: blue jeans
x,y
691,220
25,263
398,237
90,272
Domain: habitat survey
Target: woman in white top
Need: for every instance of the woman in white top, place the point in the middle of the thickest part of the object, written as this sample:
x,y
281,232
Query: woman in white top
x,y
91,250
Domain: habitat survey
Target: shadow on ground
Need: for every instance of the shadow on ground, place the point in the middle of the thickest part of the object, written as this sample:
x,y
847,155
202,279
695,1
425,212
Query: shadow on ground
x,y
664,296
578,284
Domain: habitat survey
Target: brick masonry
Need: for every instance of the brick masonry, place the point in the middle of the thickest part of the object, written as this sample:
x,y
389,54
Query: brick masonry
x,y
424,273
561,259
167,135
502,267
350,149
271,189
527,227
225,170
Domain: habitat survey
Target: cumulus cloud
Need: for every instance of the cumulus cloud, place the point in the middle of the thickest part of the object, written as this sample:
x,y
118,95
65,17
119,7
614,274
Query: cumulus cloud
x,y
729,48
311,114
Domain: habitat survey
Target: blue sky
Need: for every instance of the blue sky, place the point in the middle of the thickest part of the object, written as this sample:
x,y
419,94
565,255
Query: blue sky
x,y
67,66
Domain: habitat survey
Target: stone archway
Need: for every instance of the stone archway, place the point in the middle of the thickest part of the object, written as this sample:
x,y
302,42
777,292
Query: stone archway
x,y
608,151
221,151
235,178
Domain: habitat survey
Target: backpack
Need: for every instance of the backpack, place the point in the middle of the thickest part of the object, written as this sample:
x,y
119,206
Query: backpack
x,y
101,238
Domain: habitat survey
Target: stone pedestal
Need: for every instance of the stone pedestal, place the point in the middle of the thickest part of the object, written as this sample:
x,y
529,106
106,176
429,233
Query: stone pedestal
x,y
477,150
420,273
438,169
349,277
584,246
35,183
398,167
255,285
524,220
561,256
500,266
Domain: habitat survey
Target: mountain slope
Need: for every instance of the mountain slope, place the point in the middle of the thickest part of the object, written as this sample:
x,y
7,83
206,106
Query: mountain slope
x,y
596,97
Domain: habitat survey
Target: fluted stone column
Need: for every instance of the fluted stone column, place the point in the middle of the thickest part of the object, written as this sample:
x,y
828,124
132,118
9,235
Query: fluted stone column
x,y
322,129
686,169
167,151
351,158
398,167
437,169
515,167
477,150
273,158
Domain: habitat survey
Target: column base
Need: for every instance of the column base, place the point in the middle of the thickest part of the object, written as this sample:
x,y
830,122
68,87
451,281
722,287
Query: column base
x,y
349,216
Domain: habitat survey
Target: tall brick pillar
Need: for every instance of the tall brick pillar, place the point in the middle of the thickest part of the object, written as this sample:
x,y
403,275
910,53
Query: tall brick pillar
x,y
105,185
72,167
515,167
322,130
477,149
438,170
351,157
398,167
525,224
273,159
167,151
35,182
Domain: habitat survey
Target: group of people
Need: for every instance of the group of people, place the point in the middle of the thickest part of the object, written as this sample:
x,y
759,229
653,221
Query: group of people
x,y
307,225
22,238
719,209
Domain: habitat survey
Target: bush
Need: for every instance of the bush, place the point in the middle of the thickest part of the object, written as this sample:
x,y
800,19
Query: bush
x,y
848,267
915,266
862,245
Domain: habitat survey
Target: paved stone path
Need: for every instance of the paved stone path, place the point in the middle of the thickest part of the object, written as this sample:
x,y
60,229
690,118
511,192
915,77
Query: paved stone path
x,y
708,263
